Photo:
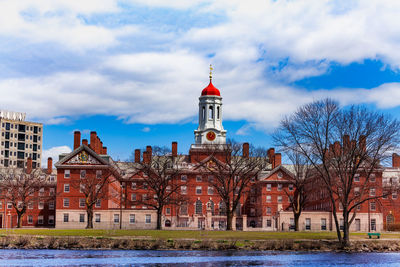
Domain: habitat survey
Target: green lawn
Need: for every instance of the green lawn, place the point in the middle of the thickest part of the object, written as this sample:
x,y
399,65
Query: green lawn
x,y
197,235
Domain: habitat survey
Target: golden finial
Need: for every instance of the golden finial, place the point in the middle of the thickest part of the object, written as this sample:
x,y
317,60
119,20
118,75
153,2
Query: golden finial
x,y
211,69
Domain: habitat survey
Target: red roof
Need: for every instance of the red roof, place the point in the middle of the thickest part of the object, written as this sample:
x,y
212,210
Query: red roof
x,y
210,90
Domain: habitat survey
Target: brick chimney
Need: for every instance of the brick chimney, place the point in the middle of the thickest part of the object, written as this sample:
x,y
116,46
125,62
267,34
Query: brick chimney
x,y
145,157
395,160
277,160
336,148
137,155
49,165
29,165
85,142
93,139
77,139
149,151
98,145
246,150
174,149
346,143
271,154
104,150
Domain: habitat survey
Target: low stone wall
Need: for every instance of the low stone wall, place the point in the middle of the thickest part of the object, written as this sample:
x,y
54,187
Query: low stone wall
x,y
52,242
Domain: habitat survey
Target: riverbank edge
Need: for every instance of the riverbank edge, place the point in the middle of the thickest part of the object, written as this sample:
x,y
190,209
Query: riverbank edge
x,y
125,243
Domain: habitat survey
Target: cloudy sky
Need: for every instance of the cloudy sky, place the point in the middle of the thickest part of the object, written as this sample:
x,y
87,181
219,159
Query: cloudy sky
x,y
133,70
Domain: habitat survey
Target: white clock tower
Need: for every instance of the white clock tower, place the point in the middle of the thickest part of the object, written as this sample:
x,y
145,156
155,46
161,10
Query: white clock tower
x,y
210,130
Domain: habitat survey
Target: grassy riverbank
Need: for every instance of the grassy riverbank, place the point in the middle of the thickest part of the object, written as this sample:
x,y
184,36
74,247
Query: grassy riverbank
x,y
181,240
196,235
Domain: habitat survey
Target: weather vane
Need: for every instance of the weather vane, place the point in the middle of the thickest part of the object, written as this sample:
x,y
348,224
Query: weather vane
x,y
211,69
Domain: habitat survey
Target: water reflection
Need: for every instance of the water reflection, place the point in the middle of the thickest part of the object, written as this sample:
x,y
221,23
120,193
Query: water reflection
x,y
191,258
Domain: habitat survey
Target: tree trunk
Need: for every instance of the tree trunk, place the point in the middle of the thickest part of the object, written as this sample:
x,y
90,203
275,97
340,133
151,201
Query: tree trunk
x,y
89,224
296,221
229,218
19,219
346,230
159,217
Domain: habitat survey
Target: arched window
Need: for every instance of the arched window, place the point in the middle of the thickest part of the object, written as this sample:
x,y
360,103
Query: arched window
x,y
203,113
199,207
210,206
210,112
217,113
222,208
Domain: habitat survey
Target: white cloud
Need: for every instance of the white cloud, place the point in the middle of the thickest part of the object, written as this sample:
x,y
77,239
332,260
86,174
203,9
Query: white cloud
x,y
54,152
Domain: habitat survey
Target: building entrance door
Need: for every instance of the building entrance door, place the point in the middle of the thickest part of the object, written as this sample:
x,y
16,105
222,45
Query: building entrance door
x,y
358,225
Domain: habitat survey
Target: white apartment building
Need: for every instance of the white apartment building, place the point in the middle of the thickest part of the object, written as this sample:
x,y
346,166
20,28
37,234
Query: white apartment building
x,y
19,139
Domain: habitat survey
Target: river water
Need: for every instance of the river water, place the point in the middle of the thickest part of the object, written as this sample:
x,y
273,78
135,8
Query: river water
x,y
192,258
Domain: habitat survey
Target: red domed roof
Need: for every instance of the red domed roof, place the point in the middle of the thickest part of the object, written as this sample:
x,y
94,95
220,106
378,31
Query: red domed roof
x,y
210,90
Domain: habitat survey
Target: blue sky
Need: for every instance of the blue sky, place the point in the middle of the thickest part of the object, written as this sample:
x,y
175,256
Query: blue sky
x,y
133,70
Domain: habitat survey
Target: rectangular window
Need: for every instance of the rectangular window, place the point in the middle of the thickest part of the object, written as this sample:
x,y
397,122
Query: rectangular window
x,y
66,203
82,203
52,191
81,188
290,186
280,187
67,174
116,218
83,174
41,205
198,190
198,178
66,188
372,192
269,223
323,224
373,224
183,178
356,190
183,189
131,218
269,211
30,219
168,211
210,190
145,186
308,223
51,219
372,178
98,203
51,205
133,197
81,218
148,218
97,217
373,206
66,217
356,177
9,205
269,187
210,179
268,198
30,205
98,174
280,199
394,195
133,186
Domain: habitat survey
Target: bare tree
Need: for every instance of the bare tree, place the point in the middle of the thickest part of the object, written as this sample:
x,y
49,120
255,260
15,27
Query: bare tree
x,y
301,171
341,144
96,188
234,168
158,172
22,189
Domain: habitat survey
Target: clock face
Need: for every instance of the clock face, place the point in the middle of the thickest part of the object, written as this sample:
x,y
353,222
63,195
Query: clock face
x,y
211,136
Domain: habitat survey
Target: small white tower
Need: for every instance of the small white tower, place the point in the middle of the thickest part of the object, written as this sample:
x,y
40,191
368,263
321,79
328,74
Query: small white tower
x,y
210,130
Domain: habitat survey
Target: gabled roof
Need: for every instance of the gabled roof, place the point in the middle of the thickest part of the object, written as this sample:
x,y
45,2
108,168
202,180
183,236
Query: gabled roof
x,y
278,168
65,158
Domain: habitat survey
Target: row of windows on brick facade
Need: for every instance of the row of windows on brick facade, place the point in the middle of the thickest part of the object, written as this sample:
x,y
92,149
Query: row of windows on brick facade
x,y
372,206
97,218
41,193
67,174
8,126
31,205
40,219
280,187
82,203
